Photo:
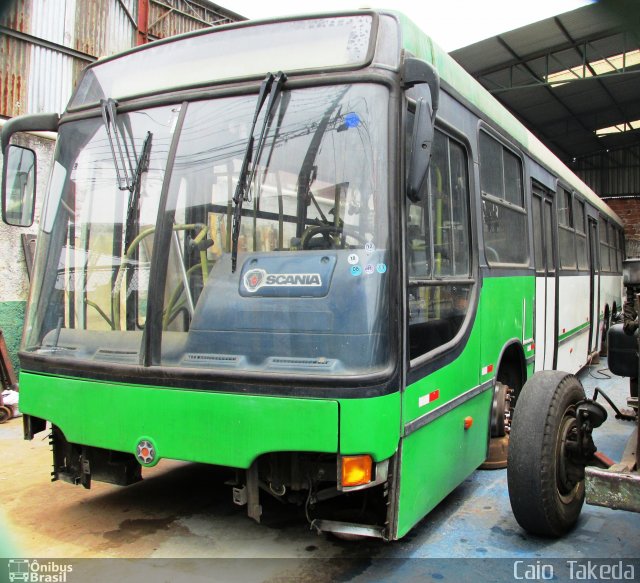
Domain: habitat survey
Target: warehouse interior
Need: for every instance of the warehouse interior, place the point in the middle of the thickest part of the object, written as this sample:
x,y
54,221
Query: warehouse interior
x,y
574,81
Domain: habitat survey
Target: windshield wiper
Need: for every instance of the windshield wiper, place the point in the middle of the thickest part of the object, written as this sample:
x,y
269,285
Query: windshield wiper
x,y
109,115
249,163
131,231
132,210
309,170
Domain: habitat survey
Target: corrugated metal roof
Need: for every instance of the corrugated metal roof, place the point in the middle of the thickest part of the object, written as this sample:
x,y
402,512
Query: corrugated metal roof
x,y
516,66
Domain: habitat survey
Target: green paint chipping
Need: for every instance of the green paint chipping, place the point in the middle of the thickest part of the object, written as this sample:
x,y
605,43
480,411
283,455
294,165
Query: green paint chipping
x,y
11,323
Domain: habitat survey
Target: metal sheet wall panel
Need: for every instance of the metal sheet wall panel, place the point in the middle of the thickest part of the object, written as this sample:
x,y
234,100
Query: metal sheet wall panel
x,y
50,80
15,55
52,20
34,78
91,26
171,17
613,173
121,33
17,15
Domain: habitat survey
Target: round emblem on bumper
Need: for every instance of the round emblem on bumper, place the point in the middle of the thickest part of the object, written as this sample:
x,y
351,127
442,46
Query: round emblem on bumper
x,y
145,452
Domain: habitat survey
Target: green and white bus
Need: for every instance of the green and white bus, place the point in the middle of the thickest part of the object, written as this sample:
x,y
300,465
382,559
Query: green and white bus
x,y
311,249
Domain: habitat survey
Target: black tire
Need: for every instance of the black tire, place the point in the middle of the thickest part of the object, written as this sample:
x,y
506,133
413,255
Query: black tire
x,y
5,414
546,500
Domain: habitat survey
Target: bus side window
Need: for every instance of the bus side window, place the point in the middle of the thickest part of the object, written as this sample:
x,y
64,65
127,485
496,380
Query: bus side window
x,y
438,244
581,233
504,216
605,262
566,230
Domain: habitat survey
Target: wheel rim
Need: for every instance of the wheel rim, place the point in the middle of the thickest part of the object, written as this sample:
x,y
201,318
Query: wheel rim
x,y
566,485
501,410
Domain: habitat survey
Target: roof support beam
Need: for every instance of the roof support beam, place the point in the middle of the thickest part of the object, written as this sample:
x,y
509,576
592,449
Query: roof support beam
x,y
23,36
555,97
523,59
583,55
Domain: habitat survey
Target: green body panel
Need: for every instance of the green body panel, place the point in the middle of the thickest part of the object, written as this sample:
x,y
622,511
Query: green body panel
x,y
450,381
506,302
370,426
216,428
438,457
441,454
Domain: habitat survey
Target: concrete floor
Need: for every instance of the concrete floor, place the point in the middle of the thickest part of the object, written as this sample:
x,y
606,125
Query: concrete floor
x,y
184,511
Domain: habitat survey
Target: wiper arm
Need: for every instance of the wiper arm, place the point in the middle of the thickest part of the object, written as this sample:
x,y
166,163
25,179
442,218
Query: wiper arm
x,y
109,116
309,169
131,232
132,210
249,163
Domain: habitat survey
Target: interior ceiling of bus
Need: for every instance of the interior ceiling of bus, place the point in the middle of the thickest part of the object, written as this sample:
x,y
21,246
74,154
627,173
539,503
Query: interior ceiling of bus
x,y
573,79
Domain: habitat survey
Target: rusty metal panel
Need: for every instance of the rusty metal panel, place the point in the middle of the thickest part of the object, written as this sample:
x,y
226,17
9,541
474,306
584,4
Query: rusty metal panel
x,y
17,15
40,76
91,26
171,17
619,490
15,56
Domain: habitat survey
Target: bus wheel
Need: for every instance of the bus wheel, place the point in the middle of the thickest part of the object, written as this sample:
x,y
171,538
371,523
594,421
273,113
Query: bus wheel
x,y
544,476
5,414
501,410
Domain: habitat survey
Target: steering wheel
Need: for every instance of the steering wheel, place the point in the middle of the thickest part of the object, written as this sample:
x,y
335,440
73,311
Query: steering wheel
x,y
325,231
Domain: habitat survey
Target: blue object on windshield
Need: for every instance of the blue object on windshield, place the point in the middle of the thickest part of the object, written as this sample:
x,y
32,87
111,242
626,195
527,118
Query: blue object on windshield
x,y
352,120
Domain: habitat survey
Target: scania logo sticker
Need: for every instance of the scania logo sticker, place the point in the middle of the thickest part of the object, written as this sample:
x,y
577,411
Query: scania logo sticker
x,y
254,279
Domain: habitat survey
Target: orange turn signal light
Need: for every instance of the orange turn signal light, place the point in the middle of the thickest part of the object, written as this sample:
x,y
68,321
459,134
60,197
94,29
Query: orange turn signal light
x,y
468,422
356,470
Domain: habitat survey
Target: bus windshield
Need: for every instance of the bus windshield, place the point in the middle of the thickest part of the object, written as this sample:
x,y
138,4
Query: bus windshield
x,y
134,260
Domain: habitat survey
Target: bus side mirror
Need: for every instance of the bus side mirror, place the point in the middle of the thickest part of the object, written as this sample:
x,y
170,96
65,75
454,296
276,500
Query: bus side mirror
x,y
19,169
18,186
417,72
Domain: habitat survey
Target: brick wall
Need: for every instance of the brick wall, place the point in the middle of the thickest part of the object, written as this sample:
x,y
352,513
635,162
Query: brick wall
x,y
628,209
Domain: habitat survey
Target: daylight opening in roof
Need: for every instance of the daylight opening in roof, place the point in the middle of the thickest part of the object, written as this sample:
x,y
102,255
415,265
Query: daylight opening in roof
x,y
616,63
619,129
